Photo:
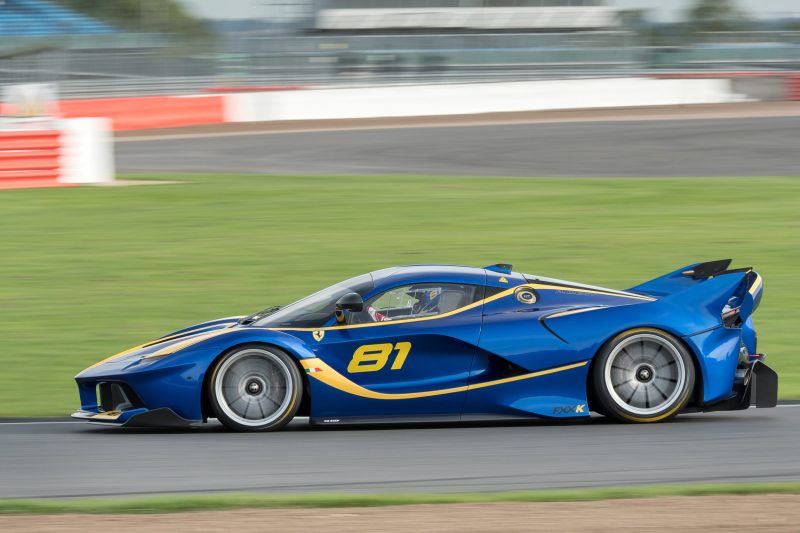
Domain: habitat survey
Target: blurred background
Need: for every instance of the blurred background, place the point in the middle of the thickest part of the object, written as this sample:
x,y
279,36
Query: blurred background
x,y
131,47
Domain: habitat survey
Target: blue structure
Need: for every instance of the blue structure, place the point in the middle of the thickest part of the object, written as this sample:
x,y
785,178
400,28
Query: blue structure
x,y
36,17
451,342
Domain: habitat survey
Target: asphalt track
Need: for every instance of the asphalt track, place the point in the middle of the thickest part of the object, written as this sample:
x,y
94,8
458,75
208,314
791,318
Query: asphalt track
x,y
696,147
66,459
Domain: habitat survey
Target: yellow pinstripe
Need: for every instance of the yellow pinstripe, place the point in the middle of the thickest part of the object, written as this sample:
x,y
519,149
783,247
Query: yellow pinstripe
x,y
332,378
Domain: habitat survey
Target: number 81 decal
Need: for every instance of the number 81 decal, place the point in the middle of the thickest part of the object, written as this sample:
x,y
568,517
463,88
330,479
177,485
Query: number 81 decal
x,y
373,357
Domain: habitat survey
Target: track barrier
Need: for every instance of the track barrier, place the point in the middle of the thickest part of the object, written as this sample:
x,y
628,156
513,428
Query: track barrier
x,y
149,112
793,87
69,152
29,158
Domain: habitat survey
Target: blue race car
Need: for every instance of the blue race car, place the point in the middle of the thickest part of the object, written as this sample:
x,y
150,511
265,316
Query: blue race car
x,y
452,343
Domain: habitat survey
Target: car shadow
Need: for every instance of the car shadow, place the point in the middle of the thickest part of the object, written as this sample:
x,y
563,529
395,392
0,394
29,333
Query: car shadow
x,y
303,425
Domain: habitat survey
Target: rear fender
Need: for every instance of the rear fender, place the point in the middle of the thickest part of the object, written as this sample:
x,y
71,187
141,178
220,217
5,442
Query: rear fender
x,y
700,307
717,352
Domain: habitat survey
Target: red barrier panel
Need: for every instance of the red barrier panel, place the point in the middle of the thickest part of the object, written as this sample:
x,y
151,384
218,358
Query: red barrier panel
x,y
793,87
29,159
29,139
149,112
30,162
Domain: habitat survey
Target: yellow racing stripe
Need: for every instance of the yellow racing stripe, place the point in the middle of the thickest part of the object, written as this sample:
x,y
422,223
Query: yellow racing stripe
x,y
332,378
195,333
756,284
508,292
107,415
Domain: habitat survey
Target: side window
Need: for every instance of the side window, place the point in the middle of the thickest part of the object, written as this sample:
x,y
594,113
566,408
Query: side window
x,y
415,301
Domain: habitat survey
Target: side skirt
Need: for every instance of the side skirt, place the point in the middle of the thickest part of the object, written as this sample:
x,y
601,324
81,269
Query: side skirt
x,y
422,419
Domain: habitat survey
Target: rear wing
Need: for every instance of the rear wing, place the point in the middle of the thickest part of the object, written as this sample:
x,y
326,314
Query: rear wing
x,y
711,286
683,278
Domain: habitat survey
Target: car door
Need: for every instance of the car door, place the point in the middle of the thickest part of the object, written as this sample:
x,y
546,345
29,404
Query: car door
x,y
408,353
522,367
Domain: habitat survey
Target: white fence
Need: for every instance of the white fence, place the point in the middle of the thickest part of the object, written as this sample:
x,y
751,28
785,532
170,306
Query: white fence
x,y
465,99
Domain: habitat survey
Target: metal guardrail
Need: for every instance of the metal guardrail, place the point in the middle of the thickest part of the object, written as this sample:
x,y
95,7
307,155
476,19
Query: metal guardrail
x,y
361,60
109,87
188,85
199,85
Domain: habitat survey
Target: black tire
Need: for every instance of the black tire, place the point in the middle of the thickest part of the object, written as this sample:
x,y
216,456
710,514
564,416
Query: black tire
x,y
643,375
264,392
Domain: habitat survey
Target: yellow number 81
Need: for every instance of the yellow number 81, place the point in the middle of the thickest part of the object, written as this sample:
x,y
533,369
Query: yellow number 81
x,y
373,357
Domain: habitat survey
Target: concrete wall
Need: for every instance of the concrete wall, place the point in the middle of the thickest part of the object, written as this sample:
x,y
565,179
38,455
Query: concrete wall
x,y
87,150
425,100
761,88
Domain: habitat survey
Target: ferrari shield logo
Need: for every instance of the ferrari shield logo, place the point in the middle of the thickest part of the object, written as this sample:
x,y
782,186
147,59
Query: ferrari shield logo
x,y
318,335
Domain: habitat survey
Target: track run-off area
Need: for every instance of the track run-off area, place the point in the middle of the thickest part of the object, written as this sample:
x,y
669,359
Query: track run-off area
x,y
72,459
753,146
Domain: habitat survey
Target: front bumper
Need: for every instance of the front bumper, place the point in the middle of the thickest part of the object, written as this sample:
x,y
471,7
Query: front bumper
x,y
130,388
757,384
163,417
118,403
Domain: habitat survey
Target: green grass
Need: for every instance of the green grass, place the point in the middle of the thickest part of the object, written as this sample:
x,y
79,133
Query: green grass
x,y
220,502
86,272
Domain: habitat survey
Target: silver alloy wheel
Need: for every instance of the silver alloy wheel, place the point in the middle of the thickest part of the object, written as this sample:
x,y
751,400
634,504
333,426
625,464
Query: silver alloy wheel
x,y
254,387
644,374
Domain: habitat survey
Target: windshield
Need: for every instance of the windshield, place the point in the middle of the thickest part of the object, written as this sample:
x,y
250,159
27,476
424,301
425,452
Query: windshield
x,y
313,311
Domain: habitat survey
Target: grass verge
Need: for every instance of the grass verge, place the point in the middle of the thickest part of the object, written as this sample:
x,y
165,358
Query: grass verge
x,y
221,502
86,272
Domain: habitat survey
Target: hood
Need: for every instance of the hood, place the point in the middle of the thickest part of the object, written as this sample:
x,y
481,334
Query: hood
x,y
169,344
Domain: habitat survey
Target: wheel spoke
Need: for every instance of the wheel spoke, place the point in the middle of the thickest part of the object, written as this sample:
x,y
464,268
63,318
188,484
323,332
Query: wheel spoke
x,y
238,399
618,385
277,404
663,395
261,409
635,389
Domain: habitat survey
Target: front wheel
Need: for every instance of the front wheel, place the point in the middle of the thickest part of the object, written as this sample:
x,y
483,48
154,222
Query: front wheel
x,y
255,388
643,375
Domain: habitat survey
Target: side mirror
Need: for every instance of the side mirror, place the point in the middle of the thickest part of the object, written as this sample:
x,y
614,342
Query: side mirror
x,y
352,302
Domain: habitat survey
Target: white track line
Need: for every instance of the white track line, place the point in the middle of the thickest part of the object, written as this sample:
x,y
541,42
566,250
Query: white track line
x,y
42,422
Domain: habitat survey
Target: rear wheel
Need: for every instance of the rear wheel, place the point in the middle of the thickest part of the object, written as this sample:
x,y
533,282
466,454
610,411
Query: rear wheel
x,y
255,388
643,375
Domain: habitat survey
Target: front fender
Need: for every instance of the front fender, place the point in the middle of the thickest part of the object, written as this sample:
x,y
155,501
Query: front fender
x,y
176,380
